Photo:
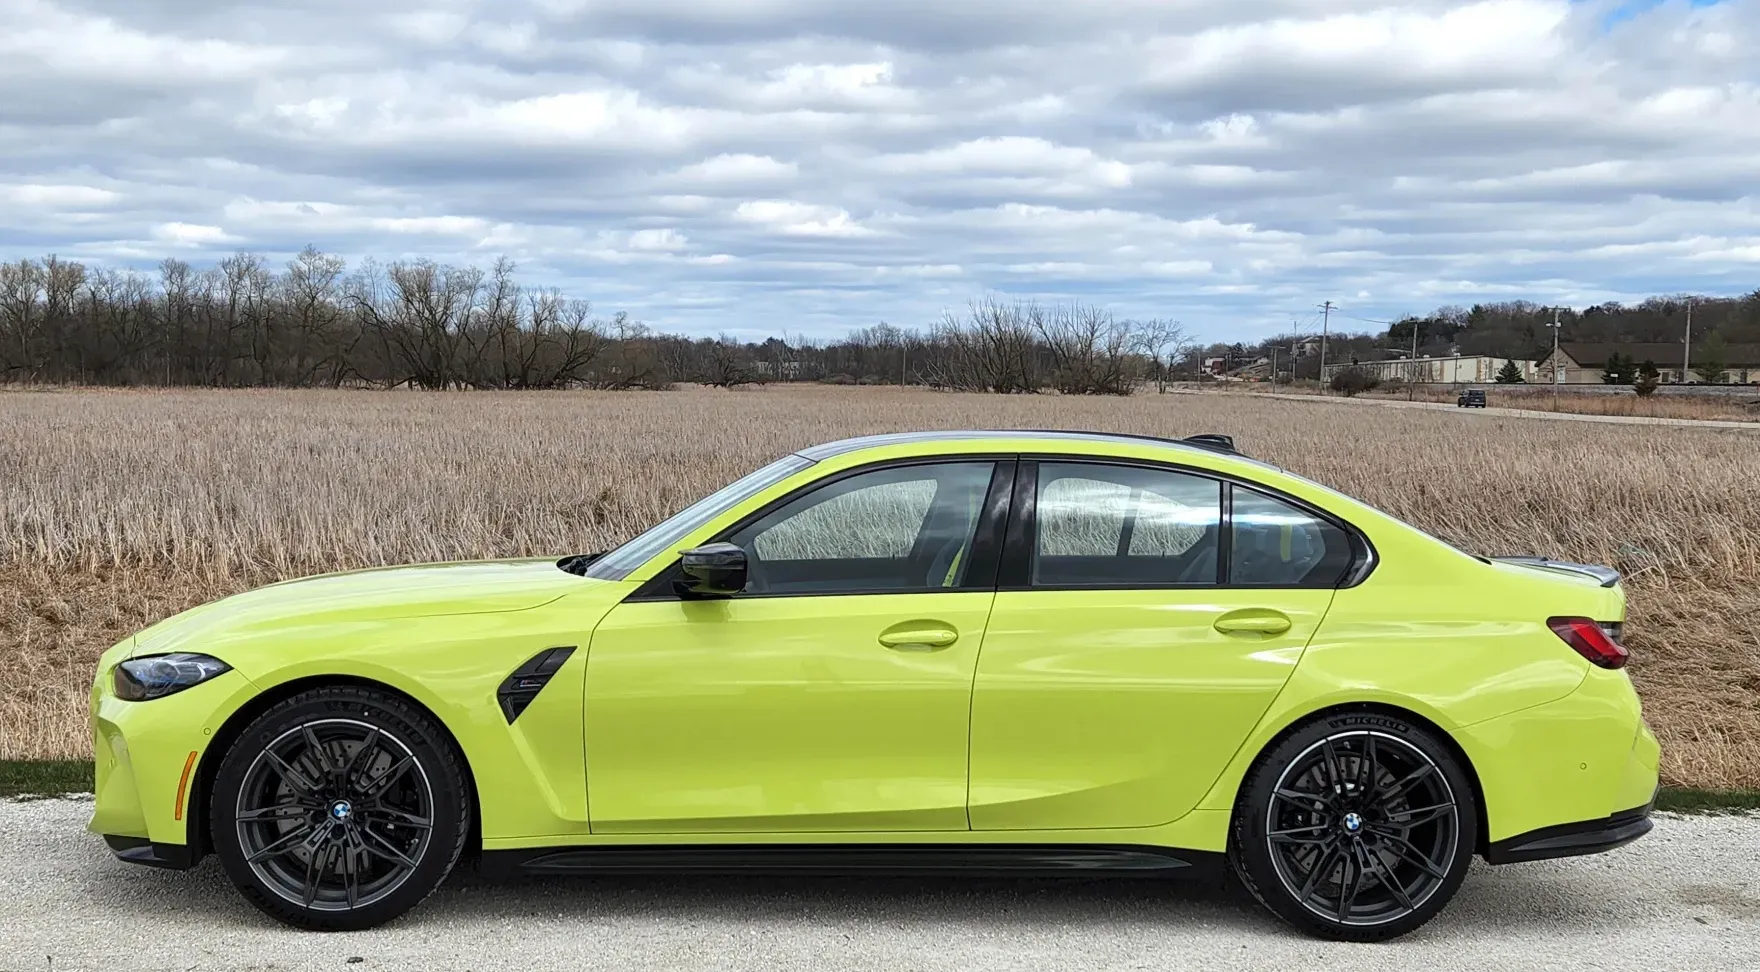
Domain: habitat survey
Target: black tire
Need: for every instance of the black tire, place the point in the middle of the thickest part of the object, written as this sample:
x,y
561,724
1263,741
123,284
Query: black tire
x,y
1357,826
339,809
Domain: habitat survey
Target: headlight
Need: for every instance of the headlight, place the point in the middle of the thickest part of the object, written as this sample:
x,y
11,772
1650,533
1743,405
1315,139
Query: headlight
x,y
140,679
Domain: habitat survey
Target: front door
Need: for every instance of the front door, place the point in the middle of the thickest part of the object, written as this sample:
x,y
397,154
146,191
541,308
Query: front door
x,y
834,694
1141,644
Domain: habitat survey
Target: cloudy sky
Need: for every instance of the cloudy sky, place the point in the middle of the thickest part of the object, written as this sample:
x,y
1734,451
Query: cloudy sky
x,y
754,166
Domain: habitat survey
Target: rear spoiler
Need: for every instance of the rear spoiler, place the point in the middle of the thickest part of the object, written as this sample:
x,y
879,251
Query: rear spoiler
x,y
1605,576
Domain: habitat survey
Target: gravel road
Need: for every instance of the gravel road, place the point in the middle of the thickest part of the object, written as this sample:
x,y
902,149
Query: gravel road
x,y
1514,413
1686,897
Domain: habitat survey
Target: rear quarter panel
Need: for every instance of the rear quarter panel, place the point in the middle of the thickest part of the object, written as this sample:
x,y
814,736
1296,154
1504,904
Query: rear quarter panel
x,y
1465,644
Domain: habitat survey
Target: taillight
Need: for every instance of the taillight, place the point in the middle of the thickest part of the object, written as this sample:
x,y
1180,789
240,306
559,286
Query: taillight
x,y
1593,640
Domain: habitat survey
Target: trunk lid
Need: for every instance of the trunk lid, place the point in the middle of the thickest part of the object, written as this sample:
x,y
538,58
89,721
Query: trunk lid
x,y
1603,576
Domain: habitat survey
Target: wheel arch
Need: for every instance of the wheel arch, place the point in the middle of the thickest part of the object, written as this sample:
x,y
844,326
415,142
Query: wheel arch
x,y
198,834
1481,840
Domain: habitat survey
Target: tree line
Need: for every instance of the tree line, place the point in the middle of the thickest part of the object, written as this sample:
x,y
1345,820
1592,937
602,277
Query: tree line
x,y
314,322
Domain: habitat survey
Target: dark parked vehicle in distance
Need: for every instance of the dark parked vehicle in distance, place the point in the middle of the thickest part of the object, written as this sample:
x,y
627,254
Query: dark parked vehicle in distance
x,y
1471,398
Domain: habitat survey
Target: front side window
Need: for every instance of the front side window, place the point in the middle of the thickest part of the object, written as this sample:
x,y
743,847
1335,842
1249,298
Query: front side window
x,y
906,528
617,564
1123,526
1277,544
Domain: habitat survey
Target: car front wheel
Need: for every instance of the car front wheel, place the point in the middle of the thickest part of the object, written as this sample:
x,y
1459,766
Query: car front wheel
x,y
340,808
1357,826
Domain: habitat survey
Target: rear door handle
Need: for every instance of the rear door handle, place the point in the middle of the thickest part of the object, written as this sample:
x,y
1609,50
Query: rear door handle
x,y
1254,621
919,636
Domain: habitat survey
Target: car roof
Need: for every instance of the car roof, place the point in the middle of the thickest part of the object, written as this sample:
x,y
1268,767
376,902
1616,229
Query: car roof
x,y
1205,445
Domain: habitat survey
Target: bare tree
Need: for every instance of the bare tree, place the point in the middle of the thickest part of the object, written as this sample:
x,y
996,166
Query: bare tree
x,y
1163,341
1091,352
421,313
993,348
320,341
21,317
723,363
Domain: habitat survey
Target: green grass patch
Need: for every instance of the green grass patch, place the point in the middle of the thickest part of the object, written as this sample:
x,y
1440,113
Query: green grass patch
x,y
49,777
44,777
1686,799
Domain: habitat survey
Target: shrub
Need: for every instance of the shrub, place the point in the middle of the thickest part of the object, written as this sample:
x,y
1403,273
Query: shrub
x,y
1351,382
1648,378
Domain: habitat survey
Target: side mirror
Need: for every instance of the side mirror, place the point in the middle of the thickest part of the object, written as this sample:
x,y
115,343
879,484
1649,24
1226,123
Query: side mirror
x,y
714,570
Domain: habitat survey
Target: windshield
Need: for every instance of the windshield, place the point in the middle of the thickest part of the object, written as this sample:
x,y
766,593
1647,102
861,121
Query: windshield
x,y
617,564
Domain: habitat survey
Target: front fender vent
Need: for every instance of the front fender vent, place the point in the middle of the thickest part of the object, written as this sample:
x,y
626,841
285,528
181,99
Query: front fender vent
x,y
520,688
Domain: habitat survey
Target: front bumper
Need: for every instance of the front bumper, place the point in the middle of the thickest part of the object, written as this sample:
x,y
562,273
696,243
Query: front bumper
x,y
147,757
1573,839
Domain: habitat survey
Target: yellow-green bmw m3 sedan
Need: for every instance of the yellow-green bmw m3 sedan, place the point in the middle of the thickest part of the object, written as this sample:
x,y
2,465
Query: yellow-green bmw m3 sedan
x,y
963,652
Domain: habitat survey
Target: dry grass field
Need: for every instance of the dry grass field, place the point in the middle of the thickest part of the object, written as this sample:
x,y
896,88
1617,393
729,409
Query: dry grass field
x,y
117,508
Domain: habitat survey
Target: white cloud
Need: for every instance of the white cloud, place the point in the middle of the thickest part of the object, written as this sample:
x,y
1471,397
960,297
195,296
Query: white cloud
x,y
799,219
192,234
57,196
94,48
666,240
728,169
719,166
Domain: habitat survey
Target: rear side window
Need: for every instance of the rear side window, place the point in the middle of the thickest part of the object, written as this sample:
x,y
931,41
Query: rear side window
x,y
1122,526
1278,544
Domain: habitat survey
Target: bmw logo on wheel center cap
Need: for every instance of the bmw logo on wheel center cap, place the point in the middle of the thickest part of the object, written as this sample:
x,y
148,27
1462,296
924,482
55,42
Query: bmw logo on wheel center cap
x,y
342,808
1352,822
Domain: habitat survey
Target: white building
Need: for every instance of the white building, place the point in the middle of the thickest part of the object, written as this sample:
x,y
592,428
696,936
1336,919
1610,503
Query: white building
x,y
1460,369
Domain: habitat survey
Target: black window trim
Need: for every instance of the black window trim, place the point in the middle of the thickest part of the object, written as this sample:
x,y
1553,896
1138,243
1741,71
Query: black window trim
x,y
981,572
1015,573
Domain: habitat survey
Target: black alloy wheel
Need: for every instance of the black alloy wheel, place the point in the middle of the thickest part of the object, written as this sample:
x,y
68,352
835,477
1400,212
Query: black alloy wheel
x,y
340,808
1360,826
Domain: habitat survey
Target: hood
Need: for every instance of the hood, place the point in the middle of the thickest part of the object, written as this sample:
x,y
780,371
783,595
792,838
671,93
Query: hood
x,y
376,594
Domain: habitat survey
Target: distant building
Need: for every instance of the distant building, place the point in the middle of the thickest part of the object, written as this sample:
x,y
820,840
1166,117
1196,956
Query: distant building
x,y
1459,369
782,370
1584,364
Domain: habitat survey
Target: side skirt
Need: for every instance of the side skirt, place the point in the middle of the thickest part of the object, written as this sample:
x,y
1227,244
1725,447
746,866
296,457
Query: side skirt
x,y
968,860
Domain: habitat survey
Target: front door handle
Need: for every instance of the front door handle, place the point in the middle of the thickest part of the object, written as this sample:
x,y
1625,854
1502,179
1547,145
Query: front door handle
x,y
919,636
1254,621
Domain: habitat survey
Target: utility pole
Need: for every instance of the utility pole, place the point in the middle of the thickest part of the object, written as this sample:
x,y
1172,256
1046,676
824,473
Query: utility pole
x,y
1412,363
1325,325
1555,369
1687,343
1273,369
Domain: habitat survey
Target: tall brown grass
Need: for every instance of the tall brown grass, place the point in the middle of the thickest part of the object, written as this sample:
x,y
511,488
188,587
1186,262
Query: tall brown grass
x,y
117,508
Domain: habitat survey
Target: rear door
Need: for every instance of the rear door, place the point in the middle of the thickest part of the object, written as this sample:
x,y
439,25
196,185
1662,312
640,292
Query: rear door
x,y
1139,633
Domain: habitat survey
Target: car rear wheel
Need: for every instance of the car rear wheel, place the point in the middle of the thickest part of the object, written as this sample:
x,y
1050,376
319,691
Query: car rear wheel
x,y
340,808
1357,826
